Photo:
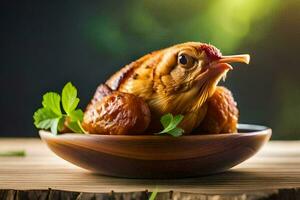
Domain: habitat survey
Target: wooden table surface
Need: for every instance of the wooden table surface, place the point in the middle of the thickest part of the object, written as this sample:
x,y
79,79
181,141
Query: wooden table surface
x,y
276,166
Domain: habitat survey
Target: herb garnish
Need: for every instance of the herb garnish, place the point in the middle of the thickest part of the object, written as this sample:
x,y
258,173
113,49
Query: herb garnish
x,y
170,123
20,153
153,195
50,115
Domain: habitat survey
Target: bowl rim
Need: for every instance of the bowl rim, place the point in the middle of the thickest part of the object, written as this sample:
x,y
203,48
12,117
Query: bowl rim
x,y
250,130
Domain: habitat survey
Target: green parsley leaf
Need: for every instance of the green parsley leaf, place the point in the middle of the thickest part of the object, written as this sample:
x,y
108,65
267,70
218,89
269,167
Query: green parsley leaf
x,y
51,100
170,124
61,123
177,119
54,126
166,119
76,127
173,122
44,118
51,117
76,115
176,132
69,98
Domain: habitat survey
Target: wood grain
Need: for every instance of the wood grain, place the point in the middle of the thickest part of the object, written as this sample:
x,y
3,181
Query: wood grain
x,y
150,156
282,194
276,166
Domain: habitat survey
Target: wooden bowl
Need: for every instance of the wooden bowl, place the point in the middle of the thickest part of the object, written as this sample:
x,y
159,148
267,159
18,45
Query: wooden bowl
x,y
150,156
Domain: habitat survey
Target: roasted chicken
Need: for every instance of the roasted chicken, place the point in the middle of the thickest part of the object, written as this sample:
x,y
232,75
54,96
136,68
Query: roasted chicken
x,y
182,79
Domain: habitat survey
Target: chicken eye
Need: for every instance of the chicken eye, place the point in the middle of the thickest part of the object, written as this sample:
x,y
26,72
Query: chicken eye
x,y
182,60
186,61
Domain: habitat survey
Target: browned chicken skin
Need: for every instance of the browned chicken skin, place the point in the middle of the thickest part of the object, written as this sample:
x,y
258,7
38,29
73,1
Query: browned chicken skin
x,y
116,113
222,113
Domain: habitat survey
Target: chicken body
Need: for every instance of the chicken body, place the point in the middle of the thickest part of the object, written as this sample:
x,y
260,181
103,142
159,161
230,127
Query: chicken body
x,y
178,80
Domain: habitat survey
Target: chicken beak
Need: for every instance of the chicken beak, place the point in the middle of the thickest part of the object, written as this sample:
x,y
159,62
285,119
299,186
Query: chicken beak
x,y
220,67
244,58
221,64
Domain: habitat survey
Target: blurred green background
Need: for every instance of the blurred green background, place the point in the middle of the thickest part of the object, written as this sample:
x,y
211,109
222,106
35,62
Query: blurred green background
x,y
46,44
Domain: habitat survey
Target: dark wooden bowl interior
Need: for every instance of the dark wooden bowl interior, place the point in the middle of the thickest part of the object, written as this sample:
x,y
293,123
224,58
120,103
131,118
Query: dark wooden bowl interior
x,y
150,156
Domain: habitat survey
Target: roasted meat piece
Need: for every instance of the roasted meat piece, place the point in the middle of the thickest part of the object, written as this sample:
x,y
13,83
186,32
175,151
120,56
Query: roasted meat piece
x,y
222,113
116,113
178,80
